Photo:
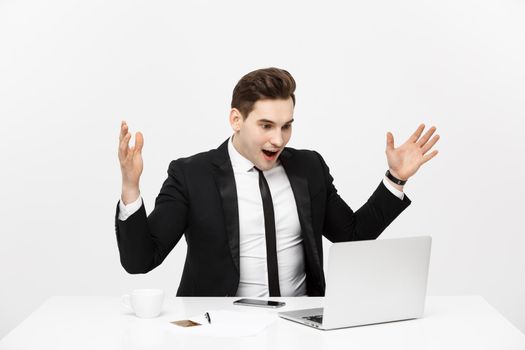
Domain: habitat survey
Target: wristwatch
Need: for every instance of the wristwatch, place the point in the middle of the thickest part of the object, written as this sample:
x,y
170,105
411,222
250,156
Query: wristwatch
x,y
395,179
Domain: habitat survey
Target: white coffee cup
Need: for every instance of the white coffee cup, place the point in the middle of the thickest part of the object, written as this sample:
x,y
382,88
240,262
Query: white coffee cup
x,y
145,303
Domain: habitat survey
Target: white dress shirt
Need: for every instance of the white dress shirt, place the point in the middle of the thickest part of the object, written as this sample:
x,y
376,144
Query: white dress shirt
x,y
252,242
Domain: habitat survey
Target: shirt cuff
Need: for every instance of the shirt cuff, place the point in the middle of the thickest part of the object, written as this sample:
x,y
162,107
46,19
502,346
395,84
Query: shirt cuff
x,y
392,189
125,211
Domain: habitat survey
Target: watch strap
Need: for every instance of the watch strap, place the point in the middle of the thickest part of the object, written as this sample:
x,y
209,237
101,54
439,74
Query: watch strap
x,y
395,179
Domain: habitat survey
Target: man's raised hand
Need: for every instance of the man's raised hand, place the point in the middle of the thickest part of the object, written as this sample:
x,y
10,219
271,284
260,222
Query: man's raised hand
x,y
131,163
405,160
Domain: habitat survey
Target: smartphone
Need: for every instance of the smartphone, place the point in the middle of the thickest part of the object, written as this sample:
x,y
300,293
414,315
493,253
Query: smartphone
x,y
259,303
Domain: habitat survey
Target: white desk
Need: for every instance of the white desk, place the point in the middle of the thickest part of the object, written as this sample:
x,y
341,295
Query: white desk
x,y
465,322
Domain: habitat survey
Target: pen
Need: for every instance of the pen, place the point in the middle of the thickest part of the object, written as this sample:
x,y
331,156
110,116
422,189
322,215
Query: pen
x,y
207,315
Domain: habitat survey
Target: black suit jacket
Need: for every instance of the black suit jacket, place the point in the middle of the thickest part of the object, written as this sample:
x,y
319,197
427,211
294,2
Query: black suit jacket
x,y
199,200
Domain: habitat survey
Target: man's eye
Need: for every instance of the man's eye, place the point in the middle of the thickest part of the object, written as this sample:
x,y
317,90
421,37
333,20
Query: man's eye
x,y
266,126
287,126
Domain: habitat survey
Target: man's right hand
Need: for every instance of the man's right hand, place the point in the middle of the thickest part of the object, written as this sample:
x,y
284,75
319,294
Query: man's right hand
x,y
131,163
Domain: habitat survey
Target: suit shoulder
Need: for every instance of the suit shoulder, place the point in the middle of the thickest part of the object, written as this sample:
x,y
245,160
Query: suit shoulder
x,y
196,161
304,154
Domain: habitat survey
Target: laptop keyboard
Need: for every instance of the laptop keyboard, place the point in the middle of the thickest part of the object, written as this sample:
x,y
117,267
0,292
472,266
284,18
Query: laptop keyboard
x,y
316,318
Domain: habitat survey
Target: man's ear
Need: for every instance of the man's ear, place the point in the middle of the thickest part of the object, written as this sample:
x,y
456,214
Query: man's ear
x,y
235,119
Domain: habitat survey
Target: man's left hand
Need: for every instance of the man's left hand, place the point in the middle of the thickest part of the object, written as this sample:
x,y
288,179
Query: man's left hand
x,y
405,160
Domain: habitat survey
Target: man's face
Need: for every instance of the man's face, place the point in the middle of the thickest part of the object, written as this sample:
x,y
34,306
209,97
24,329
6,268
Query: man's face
x,y
262,136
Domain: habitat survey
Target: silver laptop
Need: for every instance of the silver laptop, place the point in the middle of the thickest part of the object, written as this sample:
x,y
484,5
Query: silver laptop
x,y
371,282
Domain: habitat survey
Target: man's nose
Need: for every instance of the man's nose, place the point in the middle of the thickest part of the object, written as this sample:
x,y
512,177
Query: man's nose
x,y
277,139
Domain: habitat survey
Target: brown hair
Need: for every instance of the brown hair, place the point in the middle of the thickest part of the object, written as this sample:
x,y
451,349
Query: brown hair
x,y
262,84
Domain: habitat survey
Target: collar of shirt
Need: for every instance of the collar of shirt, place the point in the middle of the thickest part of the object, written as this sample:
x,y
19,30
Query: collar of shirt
x,y
238,161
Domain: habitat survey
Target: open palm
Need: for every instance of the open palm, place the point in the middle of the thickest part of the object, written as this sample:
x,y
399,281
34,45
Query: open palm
x,y
405,160
131,163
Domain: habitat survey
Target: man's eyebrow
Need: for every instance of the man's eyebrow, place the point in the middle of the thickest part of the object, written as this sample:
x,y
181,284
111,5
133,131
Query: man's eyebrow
x,y
271,122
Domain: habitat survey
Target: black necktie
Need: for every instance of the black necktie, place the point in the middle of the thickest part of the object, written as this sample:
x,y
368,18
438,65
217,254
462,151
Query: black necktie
x,y
271,246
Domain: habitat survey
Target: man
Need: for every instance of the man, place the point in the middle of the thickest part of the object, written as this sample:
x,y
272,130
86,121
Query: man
x,y
253,211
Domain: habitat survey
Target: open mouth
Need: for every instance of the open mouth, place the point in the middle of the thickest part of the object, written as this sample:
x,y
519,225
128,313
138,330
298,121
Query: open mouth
x,y
269,154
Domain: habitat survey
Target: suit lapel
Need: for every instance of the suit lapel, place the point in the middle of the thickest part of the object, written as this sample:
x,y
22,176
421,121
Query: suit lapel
x,y
223,174
299,184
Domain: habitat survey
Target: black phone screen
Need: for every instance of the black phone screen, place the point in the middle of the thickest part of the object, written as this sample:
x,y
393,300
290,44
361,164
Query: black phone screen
x,y
261,303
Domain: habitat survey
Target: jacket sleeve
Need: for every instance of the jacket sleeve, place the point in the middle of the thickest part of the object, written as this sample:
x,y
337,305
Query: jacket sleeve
x,y
145,241
342,224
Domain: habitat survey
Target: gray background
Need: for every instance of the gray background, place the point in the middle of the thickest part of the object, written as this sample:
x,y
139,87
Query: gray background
x,y
70,71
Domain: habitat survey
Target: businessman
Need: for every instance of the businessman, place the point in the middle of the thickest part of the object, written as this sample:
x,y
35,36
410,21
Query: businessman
x,y
253,211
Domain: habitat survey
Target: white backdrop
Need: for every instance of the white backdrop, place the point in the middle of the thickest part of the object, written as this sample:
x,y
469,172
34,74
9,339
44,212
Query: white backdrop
x,y
70,71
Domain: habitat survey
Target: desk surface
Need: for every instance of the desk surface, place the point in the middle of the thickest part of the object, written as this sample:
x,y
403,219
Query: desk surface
x,y
77,322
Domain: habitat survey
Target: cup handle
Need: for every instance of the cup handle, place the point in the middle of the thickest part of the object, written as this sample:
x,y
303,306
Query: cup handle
x,y
126,301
